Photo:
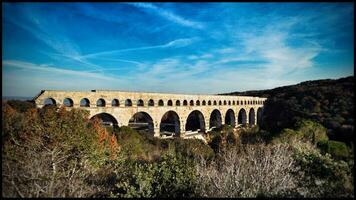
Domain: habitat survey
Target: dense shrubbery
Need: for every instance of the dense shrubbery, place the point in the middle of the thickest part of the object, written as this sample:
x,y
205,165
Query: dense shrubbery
x,y
329,102
51,152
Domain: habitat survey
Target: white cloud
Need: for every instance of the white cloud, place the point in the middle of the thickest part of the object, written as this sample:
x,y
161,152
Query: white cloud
x,y
178,43
169,15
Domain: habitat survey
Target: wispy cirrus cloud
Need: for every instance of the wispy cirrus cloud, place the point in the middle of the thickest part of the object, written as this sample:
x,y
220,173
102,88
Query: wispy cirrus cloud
x,y
55,70
178,43
168,15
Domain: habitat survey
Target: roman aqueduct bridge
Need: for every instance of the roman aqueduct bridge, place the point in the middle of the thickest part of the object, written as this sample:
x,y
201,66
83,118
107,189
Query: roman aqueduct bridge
x,y
179,114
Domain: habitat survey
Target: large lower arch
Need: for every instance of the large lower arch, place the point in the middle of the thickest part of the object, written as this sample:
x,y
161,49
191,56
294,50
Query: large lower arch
x,y
230,118
170,124
105,119
242,117
142,122
49,101
259,116
251,117
195,122
215,119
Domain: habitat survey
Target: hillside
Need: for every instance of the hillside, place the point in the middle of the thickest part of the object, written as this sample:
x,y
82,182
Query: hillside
x,y
327,101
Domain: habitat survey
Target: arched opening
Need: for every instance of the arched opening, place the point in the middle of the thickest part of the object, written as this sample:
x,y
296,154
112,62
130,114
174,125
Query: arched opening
x,y
115,103
242,103
106,119
245,102
191,103
195,122
142,122
49,101
220,103
198,103
230,118
170,124
140,102
259,116
185,103
84,102
242,117
151,102
204,103
160,102
237,103
170,103
229,103
224,102
215,119
214,103
100,103
128,102
209,103
233,103
251,117
177,103
68,102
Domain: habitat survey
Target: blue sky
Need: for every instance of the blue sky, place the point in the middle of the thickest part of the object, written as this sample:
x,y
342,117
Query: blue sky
x,y
201,48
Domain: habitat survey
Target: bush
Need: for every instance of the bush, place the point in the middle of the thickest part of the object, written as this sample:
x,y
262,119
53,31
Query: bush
x,y
172,176
320,175
337,149
258,170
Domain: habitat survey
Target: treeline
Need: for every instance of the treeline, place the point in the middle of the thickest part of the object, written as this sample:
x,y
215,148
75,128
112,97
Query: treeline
x,y
328,102
52,152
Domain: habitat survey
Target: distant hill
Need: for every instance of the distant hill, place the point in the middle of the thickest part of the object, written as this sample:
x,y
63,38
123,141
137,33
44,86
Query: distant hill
x,y
329,102
16,98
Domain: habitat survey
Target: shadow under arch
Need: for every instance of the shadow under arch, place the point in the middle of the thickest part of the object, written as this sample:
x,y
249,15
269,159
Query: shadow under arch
x,y
170,124
142,122
195,122
106,119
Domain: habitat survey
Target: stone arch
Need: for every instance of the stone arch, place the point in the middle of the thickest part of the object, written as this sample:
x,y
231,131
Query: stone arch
x,y
237,102
100,102
170,123
169,103
233,102
220,103
198,103
105,119
209,103
230,118
229,103
251,117
224,103
242,116
259,116
160,102
151,102
215,103
142,122
177,103
49,101
203,103
128,102
195,121
215,119
191,103
185,103
115,103
68,102
140,102
84,102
